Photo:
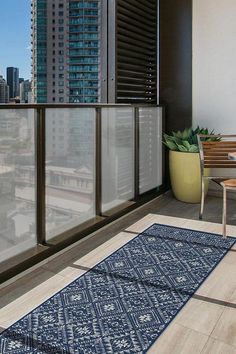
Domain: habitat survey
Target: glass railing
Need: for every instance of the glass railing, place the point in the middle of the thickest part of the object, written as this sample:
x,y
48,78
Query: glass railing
x,y
62,166
17,182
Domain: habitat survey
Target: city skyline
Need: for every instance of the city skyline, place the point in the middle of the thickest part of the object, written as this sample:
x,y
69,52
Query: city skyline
x,y
15,39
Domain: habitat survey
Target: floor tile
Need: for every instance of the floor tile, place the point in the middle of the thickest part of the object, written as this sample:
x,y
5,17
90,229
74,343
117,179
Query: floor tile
x,y
214,346
200,316
221,283
225,329
179,340
23,285
233,298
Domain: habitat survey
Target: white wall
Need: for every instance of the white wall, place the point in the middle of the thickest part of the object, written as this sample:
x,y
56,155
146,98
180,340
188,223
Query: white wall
x,y
214,64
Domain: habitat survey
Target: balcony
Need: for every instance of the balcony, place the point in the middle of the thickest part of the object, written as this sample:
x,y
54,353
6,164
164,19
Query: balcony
x,y
96,254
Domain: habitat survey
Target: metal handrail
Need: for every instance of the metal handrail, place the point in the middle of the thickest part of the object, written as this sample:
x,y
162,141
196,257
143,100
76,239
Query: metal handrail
x,y
73,105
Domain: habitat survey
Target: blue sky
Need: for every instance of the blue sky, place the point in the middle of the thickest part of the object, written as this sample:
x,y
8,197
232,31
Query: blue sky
x,y
15,36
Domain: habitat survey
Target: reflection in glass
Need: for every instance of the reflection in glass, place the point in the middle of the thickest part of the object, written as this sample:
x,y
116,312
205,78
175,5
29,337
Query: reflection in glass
x,y
150,148
117,156
70,168
17,182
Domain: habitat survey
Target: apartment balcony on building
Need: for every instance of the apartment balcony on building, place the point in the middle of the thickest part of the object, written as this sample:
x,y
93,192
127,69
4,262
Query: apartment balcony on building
x,y
105,246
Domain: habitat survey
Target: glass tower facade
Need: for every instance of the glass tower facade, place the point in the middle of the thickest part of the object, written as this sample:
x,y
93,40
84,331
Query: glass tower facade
x,y
66,51
13,82
39,50
84,51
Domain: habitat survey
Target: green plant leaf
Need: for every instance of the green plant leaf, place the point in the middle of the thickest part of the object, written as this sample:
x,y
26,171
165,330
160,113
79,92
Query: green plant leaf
x,y
169,137
178,134
186,144
182,148
186,133
170,145
193,148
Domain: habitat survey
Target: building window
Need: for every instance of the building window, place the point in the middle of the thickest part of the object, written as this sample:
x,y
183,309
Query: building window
x,y
61,99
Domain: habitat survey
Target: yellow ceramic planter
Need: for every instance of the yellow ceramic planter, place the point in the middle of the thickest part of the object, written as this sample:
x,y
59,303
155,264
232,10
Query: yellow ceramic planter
x,y
185,176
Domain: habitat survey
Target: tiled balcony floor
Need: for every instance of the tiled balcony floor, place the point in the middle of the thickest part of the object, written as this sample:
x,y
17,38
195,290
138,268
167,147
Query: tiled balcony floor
x,y
207,324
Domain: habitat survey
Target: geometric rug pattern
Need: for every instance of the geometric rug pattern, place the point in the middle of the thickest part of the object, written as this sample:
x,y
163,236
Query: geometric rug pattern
x,y
124,303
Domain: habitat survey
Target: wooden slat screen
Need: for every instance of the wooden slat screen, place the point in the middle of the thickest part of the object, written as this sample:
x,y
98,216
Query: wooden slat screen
x,y
136,64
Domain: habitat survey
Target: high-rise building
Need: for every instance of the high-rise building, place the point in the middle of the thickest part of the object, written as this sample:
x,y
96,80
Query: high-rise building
x,y
4,91
13,82
25,91
65,51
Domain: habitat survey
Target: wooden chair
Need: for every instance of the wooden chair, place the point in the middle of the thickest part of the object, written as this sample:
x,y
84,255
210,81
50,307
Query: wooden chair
x,y
227,185
214,155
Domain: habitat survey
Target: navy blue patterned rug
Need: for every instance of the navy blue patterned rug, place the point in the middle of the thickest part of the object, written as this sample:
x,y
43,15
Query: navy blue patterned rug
x,y
123,304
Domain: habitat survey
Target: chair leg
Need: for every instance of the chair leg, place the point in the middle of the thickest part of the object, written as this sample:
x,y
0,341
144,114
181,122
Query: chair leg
x,y
224,214
202,199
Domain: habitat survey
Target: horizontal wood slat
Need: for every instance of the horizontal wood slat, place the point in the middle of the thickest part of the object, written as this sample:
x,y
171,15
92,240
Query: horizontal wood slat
x,y
221,151
216,158
218,143
226,161
136,65
206,165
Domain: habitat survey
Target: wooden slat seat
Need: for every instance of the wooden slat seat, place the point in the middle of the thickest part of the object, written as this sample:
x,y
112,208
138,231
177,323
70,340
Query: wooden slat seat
x,y
229,183
215,155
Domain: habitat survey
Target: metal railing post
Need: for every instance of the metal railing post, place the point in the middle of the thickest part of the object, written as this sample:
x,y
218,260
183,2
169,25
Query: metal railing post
x,y
40,140
98,167
136,152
